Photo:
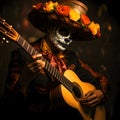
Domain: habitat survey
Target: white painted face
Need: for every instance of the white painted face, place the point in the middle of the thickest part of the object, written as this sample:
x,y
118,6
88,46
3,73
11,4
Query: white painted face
x,y
60,37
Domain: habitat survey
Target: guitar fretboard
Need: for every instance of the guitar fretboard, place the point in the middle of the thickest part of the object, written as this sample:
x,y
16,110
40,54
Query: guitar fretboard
x,y
52,70
27,46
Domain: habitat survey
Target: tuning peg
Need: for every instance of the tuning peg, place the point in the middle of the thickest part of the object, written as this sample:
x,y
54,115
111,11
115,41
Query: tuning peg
x,y
3,21
4,39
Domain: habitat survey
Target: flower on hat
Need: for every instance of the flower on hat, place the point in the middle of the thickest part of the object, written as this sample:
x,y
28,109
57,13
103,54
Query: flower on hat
x,y
50,6
72,14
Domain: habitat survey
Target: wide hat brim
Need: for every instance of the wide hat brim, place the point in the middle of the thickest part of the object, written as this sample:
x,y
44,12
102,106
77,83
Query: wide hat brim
x,y
46,20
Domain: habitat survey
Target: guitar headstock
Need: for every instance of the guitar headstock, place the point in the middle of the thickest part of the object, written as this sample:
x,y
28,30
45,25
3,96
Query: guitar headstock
x,y
7,31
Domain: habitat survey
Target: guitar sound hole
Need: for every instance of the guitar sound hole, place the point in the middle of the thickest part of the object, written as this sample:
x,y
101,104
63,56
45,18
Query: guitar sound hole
x,y
77,91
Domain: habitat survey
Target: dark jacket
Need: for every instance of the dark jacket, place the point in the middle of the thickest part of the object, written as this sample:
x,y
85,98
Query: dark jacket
x,y
44,92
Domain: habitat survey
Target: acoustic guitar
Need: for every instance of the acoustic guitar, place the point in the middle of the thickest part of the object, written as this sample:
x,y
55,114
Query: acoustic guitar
x,y
71,87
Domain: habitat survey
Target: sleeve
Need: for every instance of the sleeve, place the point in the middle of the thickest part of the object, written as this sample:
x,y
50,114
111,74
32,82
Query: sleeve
x,y
14,69
12,98
87,74
103,80
82,73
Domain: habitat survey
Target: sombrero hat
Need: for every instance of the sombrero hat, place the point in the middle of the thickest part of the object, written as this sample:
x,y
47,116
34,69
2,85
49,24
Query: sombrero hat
x,y
71,13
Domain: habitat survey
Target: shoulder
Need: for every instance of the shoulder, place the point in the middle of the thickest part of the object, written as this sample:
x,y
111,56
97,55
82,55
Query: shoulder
x,y
70,53
38,41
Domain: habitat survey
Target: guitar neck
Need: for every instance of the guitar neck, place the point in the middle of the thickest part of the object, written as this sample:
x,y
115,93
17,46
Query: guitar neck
x,y
52,70
27,46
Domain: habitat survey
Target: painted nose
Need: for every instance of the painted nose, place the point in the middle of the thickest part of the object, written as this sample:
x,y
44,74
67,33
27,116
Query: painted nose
x,y
67,40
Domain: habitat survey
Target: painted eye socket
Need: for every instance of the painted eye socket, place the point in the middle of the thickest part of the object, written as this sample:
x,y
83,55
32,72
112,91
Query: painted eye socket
x,y
64,31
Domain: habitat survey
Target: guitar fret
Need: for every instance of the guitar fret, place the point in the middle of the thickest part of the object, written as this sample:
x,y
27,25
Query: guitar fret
x,y
23,43
28,47
51,69
63,80
55,73
31,52
47,66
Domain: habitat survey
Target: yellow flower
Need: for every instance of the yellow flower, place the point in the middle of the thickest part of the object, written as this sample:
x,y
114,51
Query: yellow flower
x,y
49,6
74,15
94,27
55,4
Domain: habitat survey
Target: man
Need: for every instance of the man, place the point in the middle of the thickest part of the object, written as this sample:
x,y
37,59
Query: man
x,y
51,80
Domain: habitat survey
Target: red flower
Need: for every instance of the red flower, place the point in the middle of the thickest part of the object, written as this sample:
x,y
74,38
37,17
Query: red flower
x,y
98,34
63,10
85,20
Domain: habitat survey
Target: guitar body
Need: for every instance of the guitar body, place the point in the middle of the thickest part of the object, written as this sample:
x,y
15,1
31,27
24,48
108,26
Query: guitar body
x,y
70,98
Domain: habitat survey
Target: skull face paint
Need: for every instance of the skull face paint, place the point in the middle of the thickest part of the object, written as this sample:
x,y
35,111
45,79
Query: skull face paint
x,y
60,37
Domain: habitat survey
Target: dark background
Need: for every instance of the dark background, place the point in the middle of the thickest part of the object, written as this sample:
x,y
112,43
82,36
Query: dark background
x,y
102,55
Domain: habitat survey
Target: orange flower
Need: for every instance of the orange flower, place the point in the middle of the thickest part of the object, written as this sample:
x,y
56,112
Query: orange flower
x,y
63,10
98,34
84,19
